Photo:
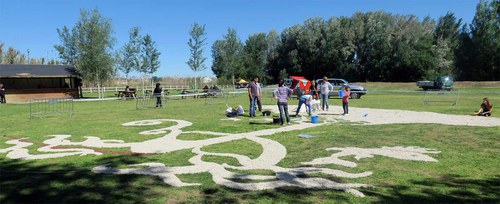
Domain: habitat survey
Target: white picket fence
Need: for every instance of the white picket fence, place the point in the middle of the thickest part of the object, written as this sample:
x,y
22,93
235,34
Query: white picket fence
x,y
121,88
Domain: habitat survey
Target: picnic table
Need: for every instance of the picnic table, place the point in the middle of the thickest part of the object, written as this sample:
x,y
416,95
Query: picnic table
x,y
127,94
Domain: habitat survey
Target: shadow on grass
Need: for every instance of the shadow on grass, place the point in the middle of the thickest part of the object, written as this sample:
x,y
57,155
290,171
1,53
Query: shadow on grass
x,y
449,188
25,182
280,195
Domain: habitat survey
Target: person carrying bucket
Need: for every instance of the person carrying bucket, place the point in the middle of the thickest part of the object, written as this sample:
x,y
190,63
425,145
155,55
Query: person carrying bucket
x,y
305,99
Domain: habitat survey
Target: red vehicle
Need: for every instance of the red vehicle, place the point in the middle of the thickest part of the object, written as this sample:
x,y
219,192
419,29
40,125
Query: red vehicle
x,y
299,84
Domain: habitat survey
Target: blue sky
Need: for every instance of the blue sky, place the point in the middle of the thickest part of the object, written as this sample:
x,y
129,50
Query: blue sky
x,y
32,24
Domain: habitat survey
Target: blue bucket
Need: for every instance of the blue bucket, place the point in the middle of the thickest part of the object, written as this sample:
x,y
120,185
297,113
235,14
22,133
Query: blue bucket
x,y
314,119
341,93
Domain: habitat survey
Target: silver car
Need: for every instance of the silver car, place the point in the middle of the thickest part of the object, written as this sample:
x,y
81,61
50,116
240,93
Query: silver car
x,y
338,84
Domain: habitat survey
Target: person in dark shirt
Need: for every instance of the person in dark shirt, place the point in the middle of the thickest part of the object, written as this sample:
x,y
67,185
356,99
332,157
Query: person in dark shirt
x,y
253,95
313,90
157,94
485,109
2,94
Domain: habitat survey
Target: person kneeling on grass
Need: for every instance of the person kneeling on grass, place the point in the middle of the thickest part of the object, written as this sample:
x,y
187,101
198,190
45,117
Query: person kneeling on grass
x,y
485,109
305,99
231,112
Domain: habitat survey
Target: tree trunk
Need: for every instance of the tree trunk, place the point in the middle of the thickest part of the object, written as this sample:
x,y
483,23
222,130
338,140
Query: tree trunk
x,y
142,79
99,95
233,85
195,87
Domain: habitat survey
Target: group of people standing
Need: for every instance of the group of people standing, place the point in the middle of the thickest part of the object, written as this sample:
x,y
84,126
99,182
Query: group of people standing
x,y
283,93
325,88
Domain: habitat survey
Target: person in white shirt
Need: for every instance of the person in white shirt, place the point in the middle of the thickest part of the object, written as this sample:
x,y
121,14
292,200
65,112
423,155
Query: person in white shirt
x,y
325,88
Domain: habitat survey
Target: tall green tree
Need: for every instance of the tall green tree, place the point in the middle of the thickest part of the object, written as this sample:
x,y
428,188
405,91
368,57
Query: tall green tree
x,y
446,43
68,50
150,57
89,47
227,54
273,42
11,57
129,54
196,46
480,49
255,56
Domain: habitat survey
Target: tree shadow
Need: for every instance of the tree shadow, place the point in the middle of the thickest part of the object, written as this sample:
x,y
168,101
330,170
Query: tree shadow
x,y
449,188
27,182
281,195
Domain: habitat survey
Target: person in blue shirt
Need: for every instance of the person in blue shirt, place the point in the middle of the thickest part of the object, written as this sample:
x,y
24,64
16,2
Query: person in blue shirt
x,y
305,99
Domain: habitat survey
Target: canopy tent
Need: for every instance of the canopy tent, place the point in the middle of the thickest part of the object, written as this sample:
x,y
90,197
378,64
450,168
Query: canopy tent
x,y
301,83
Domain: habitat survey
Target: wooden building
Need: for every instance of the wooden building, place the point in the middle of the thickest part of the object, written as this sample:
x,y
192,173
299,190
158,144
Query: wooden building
x,y
25,82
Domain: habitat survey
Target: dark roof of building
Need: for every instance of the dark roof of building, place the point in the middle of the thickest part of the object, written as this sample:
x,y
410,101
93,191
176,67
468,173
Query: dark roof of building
x,y
26,71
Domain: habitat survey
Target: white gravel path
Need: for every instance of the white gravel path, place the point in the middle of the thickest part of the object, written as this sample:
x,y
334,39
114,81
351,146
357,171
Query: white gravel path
x,y
273,151
371,116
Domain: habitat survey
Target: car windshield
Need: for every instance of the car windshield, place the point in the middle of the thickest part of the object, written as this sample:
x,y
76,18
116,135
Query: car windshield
x,y
339,83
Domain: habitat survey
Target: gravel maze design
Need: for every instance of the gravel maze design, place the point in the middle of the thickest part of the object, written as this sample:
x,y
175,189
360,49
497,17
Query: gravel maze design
x,y
273,153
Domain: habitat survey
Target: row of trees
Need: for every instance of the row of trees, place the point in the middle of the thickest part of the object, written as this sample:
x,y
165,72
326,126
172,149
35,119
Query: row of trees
x,y
372,46
14,56
89,47
139,54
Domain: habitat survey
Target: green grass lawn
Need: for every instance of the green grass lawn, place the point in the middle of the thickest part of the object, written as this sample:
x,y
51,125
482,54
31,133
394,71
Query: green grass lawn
x,y
467,171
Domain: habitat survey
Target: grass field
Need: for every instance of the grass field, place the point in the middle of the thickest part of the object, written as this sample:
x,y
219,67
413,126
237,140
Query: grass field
x,y
467,171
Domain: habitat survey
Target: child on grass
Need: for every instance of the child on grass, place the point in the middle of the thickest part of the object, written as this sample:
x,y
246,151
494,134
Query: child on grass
x,y
345,99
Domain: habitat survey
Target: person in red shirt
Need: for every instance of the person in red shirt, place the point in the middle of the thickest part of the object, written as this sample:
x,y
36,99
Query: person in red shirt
x,y
345,99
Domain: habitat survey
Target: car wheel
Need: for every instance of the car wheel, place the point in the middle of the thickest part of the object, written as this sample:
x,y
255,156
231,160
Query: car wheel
x,y
355,95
